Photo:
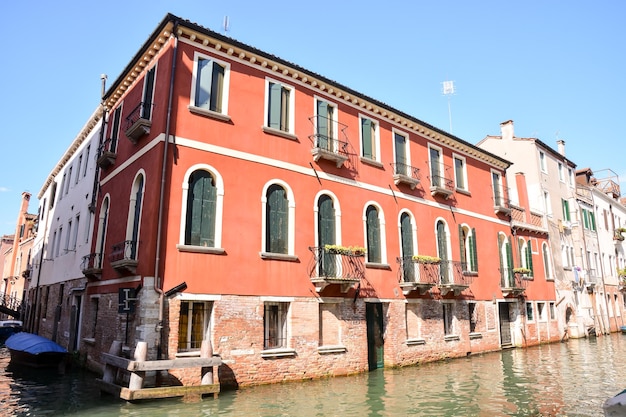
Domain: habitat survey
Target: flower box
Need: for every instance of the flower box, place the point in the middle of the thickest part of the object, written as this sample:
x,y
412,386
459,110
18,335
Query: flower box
x,y
345,250
425,259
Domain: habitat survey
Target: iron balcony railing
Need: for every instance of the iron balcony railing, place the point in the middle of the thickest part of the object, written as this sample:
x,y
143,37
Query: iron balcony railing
x,y
440,181
400,168
413,272
124,251
451,273
345,265
10,302
138,113
91,262
513,281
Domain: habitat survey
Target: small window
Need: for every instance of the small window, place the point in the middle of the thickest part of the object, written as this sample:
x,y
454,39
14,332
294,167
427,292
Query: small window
x,y
541,311
473,317
552,311
460,173
210,85
448,318
277,220
566,212
373,235
115,129
279,106
529,311
193,325
275,325
369,139
542,161
561,173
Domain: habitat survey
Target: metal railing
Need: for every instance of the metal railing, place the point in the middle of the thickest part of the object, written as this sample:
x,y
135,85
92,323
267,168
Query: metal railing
x,y
510,280
440,181
451,273
138,113
124,251
345,265
400,168
91,261
414,272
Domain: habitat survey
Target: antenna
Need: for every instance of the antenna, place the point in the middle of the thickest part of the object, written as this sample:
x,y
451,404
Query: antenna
x,y
225,24
448,90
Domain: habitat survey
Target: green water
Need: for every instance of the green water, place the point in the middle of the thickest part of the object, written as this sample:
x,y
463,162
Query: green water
x,y
563,379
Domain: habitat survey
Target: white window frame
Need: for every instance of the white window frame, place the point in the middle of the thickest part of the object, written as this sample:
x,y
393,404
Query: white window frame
x,y
543,165
291,221
407,148
440,167
383,234
292,106
375,140
197,56
465,186
206,325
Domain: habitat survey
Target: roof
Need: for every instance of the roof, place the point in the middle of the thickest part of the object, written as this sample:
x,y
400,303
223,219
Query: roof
x,y
172,24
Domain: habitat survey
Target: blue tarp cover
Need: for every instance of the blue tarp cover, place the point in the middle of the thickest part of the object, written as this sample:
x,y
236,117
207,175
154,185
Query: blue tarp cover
x,y
32,343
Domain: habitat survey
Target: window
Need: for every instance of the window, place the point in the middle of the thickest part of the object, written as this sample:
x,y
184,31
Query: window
x,y
373,229
460,173
280,107
148,89
443,251
589,219
467,241
561,172
115,128
565,207
370,148
58,245
53,193
506,261
570,176
62,190
102,229
473,316
326,126
68,236
529,311
552,311
75,234
275,325
541,311
69,180
201,209
326,234
193,325
401,154
330,325
436,167
526,255
134,215
498,191
210,85
542,161
277,217
547,266
53,245
86,160
407,233
546,203
448,318
80,164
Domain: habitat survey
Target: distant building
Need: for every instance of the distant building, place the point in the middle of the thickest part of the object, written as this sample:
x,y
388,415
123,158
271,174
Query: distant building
x,y
301,227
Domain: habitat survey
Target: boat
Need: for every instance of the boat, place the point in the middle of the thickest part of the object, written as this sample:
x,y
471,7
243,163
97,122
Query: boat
x,y
615,406
35,351
9,327
623,329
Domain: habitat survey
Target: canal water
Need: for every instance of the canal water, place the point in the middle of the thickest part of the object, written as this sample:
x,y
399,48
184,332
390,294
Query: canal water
x,y
563,379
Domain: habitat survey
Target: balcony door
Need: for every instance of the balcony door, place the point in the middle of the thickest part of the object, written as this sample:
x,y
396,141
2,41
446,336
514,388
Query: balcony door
x,y
442,249
326,235
406,234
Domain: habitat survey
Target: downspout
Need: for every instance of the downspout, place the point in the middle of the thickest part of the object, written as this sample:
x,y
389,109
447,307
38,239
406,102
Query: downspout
x,y
158,284
34,319
94,191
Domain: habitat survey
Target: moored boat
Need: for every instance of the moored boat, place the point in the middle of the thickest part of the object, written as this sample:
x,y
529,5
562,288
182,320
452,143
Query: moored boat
x,y
9,327
35,351
615,406
623,329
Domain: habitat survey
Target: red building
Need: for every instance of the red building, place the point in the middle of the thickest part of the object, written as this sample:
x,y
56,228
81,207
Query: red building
x,y
303,228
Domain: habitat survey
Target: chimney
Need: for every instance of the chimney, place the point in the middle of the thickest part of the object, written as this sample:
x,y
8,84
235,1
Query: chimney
x,y
561,146
522,191
507,130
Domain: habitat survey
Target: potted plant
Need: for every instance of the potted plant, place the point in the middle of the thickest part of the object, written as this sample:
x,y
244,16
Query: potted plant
x,y
345,250
524,272
425,259
619,233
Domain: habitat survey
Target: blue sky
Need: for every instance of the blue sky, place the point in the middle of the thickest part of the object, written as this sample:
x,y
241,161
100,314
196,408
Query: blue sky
x,y
554,67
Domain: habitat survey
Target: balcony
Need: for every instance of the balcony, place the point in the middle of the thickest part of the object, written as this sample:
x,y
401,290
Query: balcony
x,y
106,156
591,280
441,186
92,265
325,143
417,276
452,278
137,125
501,204
343,268
512,284
405,174
123,256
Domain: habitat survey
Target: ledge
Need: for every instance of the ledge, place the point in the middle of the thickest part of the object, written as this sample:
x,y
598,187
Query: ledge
x,y
200,249
209,113
89,341
376,265
278,256
415,342
475,335
278,353
368,161
452,338
323,350
463,191
276,132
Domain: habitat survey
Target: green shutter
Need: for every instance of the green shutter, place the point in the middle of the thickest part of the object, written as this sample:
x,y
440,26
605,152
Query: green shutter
x,y
503,279
367,139
217,85
400,154
274,105
509,259
406,235
147,94
201,210
323,137
373,235
277,216
529,258
326,234
592,218
464,260
473,251
203,83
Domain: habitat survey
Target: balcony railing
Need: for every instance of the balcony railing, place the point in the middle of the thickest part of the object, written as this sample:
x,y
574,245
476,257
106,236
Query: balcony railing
x,y
106,154
441,186
327,143
512,283
405,174
417,276
136,124
92,265
452,278
326,268
502,203
123,256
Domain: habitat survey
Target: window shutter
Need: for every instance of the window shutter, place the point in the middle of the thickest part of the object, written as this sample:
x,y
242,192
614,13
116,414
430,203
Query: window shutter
x,y
284,109
400,154
473,251
201,206
276,226
464,260
529,258
592,217
509,259
367,138
147,94
407,235
203,83
373,235
114,132
502,269
322,125
136,218
326,235
274,105
435,176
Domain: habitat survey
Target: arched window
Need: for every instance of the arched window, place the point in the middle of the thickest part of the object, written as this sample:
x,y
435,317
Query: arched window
x,y
407,247
134,215
506,261
276,220
201,209
102,230
442,251
372,223
326,234
469,254
547,267
526,255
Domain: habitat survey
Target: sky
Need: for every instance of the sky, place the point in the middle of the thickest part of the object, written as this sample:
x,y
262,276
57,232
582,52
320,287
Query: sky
x,y
553,67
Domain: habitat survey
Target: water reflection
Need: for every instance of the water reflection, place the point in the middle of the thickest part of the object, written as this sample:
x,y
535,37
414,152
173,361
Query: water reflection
x,y
569,379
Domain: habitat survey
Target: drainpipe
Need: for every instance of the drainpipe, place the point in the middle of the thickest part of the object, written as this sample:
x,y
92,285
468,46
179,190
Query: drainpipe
x,y
94,191
34,319
158,284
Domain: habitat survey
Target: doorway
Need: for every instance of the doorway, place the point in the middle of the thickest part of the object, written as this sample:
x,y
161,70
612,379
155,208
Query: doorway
x,y
375,341
504,312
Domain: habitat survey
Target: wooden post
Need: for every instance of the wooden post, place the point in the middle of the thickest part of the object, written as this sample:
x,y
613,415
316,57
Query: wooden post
x,y
137,377
109,370
206,351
